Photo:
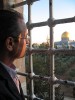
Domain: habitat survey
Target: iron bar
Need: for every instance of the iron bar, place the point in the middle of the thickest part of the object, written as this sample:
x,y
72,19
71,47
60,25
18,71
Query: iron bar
x,y
38,51
31,88
52,89
23,74
70,52
66,20
51,23
39,24
29,97
66,52
48,79
65,82
45,78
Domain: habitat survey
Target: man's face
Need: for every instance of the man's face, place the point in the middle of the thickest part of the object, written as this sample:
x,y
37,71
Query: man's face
x,y
21,48
18,49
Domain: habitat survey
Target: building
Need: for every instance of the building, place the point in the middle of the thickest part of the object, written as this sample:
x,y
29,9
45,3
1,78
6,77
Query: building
x,y
65,41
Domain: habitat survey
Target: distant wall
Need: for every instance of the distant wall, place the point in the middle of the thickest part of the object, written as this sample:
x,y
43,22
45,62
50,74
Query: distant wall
x,y
4,4
20,9
20,63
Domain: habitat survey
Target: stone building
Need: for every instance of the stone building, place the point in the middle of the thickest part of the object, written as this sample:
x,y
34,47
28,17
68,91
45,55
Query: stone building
x,y
65,41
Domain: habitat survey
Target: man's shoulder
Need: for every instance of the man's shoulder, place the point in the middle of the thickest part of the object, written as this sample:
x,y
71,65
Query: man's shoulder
x,y
4,75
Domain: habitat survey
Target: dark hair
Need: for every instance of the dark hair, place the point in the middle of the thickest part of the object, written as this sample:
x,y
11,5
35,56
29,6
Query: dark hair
x,y
9,24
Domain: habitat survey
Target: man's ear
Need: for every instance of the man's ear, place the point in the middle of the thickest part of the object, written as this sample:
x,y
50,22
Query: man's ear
x,y
10,43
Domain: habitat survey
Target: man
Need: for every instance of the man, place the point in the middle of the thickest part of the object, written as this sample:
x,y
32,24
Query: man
x,y
13,38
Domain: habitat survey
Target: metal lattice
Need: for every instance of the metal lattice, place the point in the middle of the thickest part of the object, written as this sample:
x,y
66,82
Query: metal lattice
x,y
51,23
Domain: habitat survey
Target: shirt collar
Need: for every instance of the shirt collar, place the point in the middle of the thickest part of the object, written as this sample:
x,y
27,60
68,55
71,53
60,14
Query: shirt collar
x,y
11,71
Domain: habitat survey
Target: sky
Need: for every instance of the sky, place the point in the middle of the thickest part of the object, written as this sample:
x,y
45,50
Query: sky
x,y
40,12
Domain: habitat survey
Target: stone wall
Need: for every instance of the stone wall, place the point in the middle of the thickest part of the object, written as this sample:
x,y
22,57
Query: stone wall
x,y
20,63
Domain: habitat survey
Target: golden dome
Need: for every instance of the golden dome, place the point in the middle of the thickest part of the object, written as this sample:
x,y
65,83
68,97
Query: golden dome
x,y
65,35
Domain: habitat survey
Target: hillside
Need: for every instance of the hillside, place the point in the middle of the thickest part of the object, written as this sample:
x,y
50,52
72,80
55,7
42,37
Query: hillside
x,y
68,90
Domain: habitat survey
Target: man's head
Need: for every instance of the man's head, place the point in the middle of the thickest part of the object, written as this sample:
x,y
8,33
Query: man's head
x,y
13,33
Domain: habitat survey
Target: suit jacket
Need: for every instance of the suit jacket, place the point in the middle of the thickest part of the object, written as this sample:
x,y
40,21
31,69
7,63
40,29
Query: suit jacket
x,y
8,89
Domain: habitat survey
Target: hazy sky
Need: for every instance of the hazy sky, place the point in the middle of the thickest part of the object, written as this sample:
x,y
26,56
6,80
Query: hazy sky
x,y
40,12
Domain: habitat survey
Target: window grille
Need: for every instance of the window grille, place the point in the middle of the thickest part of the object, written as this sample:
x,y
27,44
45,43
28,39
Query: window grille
x,y
51,23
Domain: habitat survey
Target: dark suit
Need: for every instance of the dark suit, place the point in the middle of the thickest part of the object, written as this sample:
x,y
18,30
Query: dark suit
x,y
8,89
